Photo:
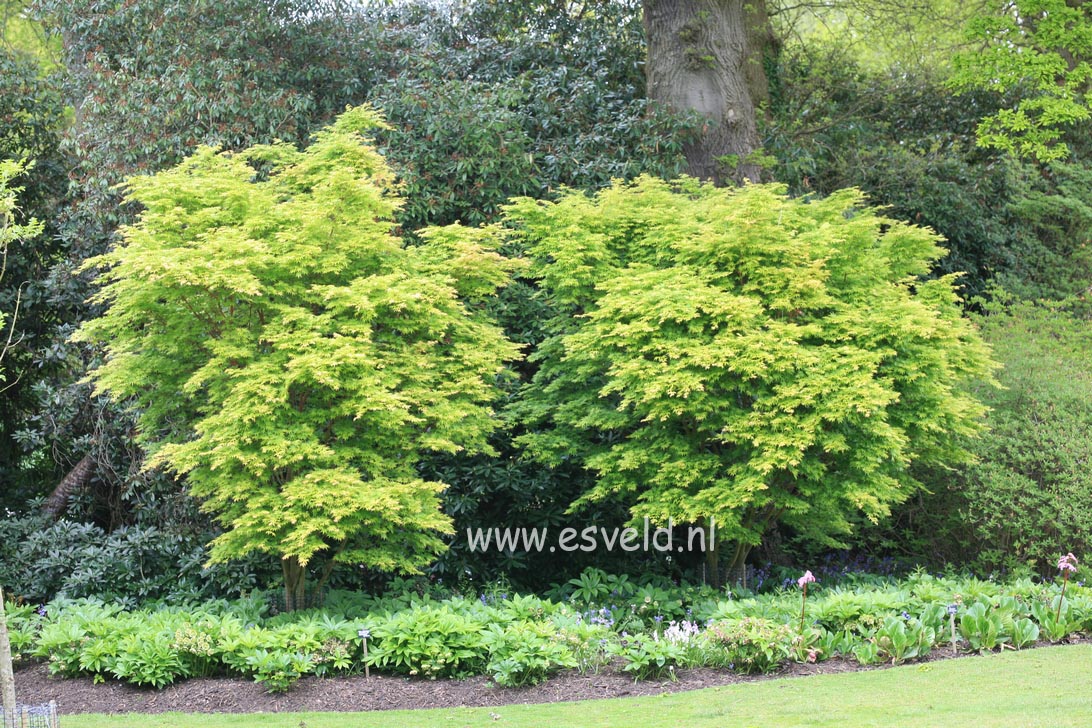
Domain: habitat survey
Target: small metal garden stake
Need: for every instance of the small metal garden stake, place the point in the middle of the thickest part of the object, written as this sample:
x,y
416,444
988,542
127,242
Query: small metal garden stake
x,y
364,635
952,609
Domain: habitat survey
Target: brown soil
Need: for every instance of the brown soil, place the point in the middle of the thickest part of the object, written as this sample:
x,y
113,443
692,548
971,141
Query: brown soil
x,y
34,685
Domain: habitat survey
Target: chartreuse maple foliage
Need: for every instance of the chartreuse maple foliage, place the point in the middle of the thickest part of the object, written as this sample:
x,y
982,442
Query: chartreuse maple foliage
x,y
291,357
739,355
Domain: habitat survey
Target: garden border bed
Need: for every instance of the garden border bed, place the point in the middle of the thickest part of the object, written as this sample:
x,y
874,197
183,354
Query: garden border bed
x,y
384,692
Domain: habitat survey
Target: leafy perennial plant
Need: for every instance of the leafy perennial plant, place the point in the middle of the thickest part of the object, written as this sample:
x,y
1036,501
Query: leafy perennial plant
x,y
521,640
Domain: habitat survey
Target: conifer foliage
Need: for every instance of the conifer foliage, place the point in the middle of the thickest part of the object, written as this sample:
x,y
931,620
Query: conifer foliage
x,y
737,355
291,357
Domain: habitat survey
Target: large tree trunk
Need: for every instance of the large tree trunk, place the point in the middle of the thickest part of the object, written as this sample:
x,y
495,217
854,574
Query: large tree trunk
x,y
76,480
707,56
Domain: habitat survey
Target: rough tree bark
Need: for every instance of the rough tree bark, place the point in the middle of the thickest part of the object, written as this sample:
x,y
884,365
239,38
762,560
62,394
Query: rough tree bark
x,y
706,56
295,584
76,480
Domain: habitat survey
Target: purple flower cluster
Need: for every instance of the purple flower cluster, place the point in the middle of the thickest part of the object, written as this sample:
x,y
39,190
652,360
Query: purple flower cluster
x,y
488,599
601,616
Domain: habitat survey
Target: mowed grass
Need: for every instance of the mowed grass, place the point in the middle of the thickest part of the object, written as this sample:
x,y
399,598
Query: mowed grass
x,y
1042,687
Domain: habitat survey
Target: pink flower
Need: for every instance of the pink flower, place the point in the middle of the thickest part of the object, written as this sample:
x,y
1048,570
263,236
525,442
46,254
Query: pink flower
x,y
1067,563
803,582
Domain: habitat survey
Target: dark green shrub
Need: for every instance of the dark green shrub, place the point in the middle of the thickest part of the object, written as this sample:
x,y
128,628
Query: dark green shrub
x,y
911,145
41,559
32,115
1029,498
462,146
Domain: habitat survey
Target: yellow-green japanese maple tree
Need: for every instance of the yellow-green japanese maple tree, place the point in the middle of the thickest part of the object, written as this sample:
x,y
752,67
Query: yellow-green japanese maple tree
x,y
737,355
291,357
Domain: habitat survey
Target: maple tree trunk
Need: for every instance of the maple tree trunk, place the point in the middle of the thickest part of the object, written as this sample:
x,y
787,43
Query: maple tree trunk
x,y
735,573
295,584
707,56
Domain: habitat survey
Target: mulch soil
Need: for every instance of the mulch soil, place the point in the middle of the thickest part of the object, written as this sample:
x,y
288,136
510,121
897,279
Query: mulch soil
x,y
34,685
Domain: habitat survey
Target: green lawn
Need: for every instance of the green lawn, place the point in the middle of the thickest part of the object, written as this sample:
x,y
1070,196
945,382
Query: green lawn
x,y
1044,687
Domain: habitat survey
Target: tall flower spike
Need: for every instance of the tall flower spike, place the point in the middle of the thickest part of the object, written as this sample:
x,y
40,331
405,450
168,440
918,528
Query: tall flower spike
x,y
803,582
1067,565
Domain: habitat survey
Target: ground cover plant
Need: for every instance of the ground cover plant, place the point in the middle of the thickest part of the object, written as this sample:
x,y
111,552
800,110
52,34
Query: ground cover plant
x,y
649,630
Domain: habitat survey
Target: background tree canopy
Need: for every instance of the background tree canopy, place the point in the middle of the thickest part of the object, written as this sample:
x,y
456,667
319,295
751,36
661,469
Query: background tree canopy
x,y
1042,48
486,101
